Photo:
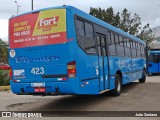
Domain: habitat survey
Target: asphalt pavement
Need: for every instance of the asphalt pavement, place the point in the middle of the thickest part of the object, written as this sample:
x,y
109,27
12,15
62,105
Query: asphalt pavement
x,y
135,97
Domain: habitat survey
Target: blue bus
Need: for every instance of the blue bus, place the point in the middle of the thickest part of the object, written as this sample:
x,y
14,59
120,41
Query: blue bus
x,y
63,50
153,61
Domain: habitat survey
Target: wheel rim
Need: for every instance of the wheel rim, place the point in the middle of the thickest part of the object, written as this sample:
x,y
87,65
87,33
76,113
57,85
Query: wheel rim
x,y
118,86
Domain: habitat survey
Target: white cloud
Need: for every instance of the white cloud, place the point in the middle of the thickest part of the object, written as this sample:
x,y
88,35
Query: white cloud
x,y
147,9
3,29
156,21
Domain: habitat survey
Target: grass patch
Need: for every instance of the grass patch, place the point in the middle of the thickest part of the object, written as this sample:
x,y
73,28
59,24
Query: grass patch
x,y
4,78
4,88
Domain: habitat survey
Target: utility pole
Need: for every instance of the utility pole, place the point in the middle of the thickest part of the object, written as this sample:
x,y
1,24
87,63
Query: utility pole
x,y
32,4
17,7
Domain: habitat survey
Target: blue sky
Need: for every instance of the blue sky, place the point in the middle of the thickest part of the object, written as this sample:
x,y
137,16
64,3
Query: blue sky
x,y
147,9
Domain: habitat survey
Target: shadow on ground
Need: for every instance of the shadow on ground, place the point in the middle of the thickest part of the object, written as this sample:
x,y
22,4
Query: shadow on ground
x,y
81,102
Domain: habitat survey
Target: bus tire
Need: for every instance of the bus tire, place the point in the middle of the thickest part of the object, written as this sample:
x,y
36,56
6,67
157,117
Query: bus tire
x,y
143,79
118,86
149,74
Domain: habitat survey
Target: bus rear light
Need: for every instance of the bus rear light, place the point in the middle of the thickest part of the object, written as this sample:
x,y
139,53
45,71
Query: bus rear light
x,y
10,73
71,67
16,80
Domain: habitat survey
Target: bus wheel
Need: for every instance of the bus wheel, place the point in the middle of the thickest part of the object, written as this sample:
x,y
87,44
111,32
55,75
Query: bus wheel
x,y
149,74
118,86
143,79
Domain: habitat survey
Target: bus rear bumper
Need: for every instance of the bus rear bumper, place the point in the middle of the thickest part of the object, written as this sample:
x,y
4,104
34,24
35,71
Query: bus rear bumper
x,y
51,88
58,88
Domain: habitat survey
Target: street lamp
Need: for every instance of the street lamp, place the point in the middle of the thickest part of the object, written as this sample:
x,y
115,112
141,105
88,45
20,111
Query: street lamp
x,y
32,4
17,7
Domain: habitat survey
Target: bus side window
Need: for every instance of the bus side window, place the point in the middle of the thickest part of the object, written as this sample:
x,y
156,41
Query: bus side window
x,y
134,46
127,47
150,58
138,46
104,46
112,38
80,33
80,28
89,42
128,43
153,58
125,42
119,48
156,58
112,47
121,40
142,51
85,37
133,49
89,30
138,50
99,45
116,40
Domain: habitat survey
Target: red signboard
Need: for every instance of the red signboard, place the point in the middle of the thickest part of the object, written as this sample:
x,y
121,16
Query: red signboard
x,y
40,28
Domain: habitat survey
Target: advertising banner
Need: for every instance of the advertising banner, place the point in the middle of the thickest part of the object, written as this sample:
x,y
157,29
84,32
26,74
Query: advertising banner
x,y
38,28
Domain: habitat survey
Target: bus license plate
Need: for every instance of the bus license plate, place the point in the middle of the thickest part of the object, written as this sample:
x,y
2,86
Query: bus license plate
x,y
40,89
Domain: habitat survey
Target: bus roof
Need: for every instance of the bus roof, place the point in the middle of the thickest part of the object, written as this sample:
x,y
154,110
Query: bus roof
x,y
88,17
154,51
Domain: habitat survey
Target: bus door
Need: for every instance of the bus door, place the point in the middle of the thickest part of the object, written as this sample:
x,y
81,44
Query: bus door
x,y
159,63
103,61
153,64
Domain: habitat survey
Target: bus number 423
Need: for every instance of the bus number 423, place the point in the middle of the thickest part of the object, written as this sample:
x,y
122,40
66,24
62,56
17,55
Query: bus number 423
x,y
37,70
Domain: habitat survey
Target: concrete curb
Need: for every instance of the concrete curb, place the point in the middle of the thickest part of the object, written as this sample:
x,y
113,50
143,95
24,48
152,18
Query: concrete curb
x,y
4,88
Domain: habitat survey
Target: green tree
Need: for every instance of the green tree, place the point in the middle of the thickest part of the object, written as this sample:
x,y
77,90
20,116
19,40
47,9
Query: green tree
x,y
116,20
124,21
109,15
4,74
3,52
146,34
4,77
135,23
105,15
